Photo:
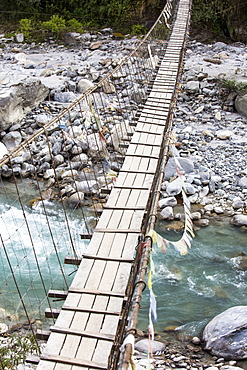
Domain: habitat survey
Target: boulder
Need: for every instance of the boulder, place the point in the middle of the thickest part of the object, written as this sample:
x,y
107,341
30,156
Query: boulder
x,y
84,85
174,187
95,45
144,346
75,199
168,202
192,87
3,328
108,87
226,334
87,186
186,164
239,220
241,104
237,203
72,38
12,139
167,213
224,134
243,182
18,100
65,97
19,37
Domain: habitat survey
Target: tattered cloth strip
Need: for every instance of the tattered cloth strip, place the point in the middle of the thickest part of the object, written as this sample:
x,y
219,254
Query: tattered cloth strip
x,y
182,246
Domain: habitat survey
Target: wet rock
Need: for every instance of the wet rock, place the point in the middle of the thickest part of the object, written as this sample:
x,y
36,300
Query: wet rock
x,y
239,220
226,335
75,200
196,216
167,213
168,202
3,328
143,346
87,187
203,222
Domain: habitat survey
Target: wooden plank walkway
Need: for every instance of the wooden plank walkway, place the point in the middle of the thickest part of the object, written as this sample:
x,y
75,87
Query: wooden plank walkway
x,y
83,334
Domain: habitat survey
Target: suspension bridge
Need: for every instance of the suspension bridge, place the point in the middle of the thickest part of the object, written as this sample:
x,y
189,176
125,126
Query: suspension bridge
x,y
101,303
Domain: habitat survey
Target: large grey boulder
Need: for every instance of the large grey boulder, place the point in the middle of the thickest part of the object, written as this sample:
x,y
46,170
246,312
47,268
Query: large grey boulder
x,y
226,334
239,220
144,345
171,169
192,87
174,187
12,139
17,100
241,104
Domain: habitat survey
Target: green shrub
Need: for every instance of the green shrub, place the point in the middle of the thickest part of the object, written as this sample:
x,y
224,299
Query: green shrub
x,y
56,25
74,25
138,29
15,349
26,28
233,85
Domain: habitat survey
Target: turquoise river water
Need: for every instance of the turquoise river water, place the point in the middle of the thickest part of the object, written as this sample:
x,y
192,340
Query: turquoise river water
x,y
190,289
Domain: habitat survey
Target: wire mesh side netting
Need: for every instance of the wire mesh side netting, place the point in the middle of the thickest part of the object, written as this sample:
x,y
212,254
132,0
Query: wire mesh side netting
x,y
55,183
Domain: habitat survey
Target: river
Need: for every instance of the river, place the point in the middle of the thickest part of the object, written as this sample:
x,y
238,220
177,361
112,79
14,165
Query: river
x,y
190,289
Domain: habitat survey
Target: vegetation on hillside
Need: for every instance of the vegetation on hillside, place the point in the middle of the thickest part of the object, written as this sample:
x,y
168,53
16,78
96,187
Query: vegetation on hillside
x,y
226,18
115,13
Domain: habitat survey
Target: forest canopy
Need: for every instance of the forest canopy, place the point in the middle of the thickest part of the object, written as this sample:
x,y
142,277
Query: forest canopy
x,y
223,17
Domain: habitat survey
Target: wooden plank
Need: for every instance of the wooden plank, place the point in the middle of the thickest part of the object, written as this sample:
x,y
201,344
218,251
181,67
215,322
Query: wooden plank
x,y
52,312
92,291
91,310
74,361
125,231
62,294
108,258
76,332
